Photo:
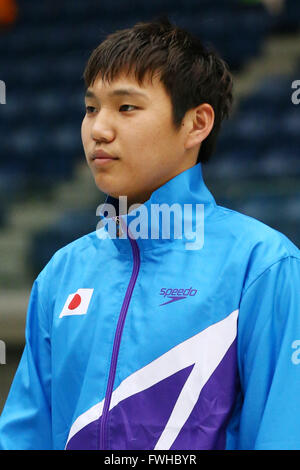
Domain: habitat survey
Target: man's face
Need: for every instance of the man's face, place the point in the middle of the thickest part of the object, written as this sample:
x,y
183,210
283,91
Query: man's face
x,y
133,124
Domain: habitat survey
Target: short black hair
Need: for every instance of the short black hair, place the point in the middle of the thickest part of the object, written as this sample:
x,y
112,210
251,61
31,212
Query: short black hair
x,y
191,73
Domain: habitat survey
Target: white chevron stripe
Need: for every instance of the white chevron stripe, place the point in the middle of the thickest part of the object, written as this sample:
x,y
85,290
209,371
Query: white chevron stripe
x,y
205,349
211,349
86,418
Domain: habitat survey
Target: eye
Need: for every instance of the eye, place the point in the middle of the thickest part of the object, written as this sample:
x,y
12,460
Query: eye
x,y
89,109
126,106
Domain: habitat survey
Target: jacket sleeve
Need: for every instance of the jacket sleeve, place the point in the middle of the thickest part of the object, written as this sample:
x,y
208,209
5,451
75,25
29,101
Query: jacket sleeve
x,y
269,359
25,423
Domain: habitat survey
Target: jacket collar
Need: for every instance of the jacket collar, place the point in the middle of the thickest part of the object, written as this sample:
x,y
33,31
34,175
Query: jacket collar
x,y
192,203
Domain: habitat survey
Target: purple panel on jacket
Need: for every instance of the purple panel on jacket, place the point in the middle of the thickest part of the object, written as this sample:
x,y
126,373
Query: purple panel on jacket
x,y
205,429
86,439
137,422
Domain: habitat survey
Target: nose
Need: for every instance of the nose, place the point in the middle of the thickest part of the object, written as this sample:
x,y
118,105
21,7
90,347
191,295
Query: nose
x,y
102,129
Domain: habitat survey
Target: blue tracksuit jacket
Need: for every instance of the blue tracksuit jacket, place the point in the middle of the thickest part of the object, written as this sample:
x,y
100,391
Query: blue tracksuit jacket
x,y
141,343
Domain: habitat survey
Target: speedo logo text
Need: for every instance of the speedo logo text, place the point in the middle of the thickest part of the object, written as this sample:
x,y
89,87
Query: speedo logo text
x,y
176,294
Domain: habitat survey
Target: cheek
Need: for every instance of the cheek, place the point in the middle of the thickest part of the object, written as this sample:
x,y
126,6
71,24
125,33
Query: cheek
x,y
150,134
84,133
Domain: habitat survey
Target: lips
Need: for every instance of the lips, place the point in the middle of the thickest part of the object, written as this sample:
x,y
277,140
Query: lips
x,y
101,155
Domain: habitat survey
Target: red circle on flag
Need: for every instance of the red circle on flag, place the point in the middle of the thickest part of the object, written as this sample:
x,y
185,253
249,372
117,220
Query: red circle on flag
x,y
75,302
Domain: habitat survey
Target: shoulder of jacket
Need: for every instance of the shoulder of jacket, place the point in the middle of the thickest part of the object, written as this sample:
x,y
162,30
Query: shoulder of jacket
x,y
260,245
83,246
256,233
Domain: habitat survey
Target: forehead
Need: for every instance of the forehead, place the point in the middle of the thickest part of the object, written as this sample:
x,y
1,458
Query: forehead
x,y
127,85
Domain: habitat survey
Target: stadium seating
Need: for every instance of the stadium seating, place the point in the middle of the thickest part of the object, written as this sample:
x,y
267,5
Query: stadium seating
x,y
42,60
43,57
289,20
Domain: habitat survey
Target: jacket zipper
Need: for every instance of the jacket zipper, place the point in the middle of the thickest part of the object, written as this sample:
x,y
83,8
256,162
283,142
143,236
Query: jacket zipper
x,y
117,340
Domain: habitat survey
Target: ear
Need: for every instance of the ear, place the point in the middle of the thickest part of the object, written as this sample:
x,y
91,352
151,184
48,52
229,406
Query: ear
x,y
199,123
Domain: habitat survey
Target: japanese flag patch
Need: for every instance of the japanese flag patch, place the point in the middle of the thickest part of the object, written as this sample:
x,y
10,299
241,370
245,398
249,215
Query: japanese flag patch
x,y
77,303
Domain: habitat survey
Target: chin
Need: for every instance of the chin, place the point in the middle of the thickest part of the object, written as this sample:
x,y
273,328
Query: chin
x,y
107,187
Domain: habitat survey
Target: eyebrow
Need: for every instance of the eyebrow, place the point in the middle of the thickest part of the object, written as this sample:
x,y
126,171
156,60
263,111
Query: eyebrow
x,y
119,92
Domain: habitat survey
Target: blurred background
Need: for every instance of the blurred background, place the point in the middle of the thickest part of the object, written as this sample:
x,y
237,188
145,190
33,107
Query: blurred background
x,y
47,195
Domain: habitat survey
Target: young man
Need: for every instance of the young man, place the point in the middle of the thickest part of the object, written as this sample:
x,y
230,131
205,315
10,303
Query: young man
x,y
138,340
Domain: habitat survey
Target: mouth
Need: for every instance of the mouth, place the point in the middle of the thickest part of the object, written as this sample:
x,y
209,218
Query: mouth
x,y
100,157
